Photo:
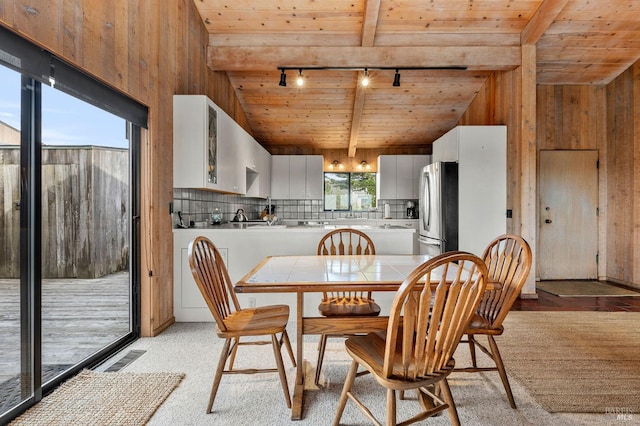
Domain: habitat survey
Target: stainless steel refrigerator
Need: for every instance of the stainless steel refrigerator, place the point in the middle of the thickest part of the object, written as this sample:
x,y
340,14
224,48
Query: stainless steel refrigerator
x,y
438,208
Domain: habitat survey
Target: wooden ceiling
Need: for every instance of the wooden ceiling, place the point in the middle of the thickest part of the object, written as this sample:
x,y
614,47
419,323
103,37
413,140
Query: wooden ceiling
x,y
577,42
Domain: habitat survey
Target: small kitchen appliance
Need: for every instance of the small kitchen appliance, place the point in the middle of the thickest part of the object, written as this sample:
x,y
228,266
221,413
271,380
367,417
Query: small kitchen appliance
x,y
216,217
411,210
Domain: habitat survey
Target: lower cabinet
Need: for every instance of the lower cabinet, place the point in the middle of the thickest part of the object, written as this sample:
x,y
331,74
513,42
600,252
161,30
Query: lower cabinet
x,y
243,249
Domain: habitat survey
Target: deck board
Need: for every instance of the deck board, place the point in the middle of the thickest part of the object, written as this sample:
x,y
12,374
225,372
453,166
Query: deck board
x,y
79,317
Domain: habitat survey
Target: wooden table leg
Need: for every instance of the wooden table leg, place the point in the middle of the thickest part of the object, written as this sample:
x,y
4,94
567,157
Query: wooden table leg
x,y
298,391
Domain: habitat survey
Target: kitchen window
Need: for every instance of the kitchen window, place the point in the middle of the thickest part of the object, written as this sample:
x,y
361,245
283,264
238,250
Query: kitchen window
x,y
349,191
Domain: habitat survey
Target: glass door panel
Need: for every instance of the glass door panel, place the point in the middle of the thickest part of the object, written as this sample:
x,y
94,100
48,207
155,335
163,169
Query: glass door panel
x,y
86,300
15,377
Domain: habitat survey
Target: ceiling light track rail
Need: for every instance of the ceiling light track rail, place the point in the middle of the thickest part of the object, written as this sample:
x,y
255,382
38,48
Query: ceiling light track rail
x,y
365,79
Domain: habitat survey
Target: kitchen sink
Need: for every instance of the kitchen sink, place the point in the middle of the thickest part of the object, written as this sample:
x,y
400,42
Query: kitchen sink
x,y
265,226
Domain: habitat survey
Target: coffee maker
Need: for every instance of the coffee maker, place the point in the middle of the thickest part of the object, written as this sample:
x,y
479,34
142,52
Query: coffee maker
x,y
411,210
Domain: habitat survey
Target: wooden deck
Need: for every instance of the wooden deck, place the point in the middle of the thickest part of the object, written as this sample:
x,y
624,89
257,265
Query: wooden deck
x,y
79,317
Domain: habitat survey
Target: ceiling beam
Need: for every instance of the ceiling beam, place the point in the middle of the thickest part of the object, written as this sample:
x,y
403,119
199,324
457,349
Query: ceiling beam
x,y
369,28
541,20
358,107
270,58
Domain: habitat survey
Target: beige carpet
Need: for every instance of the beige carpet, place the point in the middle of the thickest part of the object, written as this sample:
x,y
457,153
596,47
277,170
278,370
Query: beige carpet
x,y
587,362
584,289
94,398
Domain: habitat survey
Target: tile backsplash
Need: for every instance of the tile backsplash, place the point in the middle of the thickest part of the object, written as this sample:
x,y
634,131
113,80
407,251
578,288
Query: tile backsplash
x,y
197,205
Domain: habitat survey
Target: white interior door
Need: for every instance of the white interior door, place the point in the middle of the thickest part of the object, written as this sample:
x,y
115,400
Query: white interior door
x,y
568,237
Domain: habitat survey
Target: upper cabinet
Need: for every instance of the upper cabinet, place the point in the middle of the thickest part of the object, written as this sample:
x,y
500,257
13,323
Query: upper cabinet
x,y
398,176
211,151
296,177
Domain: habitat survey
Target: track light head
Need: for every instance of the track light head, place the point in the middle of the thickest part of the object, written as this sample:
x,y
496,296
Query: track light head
x,y
396,79
365,79
283,79
300,80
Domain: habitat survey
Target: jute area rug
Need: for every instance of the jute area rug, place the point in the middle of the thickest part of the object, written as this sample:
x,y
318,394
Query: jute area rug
x,y
97,398
585,289
575,362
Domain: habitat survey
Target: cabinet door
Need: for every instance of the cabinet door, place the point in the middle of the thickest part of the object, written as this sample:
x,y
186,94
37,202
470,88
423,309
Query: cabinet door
x,y
190,154
314,177
297,177
404,177
386,182
263,166
280,177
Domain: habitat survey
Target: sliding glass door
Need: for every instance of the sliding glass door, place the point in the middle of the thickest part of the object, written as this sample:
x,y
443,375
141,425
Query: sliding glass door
x,y
69,209
14,387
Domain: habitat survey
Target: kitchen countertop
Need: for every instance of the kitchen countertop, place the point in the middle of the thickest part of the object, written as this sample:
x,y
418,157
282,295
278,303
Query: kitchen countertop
x,y
301,226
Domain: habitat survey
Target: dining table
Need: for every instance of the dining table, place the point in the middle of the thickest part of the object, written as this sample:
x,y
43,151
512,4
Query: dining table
x,y
316,274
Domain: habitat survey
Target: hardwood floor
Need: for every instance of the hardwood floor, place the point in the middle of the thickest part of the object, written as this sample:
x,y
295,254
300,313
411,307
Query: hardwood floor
x,y
550,302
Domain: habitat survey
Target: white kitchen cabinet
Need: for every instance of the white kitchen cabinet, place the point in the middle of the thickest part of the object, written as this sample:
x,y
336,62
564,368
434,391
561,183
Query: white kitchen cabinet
x,y
398,176
481,154
258,172
280,177
210,150
296,177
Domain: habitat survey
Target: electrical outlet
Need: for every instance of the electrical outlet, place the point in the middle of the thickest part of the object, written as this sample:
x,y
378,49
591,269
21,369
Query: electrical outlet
x,y
252,302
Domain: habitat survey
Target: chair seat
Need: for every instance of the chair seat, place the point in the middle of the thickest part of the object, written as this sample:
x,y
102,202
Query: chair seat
x,y
481,325
256,321
369,350
348,306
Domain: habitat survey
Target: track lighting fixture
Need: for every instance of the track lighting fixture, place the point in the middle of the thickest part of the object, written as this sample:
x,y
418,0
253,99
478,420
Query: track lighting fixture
x,y
396,79
364,81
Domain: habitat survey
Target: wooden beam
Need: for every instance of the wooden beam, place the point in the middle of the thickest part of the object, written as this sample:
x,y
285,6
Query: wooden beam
x,y
358,107
270,58
368,35
528,157
370,22
541,20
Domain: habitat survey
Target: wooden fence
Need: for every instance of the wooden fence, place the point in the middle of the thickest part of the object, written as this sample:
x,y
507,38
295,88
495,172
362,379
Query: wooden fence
x,y
85,211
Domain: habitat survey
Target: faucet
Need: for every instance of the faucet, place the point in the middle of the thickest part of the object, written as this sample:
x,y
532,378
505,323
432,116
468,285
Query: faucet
x,y
268,204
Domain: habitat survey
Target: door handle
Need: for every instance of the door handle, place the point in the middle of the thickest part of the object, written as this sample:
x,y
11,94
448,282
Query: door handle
x,y
548,221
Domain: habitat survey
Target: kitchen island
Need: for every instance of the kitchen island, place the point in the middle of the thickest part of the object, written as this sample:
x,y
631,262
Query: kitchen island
x,y
244,245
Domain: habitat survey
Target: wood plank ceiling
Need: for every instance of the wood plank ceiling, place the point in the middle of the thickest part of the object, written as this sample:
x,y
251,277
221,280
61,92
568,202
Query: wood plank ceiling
x,y
577,42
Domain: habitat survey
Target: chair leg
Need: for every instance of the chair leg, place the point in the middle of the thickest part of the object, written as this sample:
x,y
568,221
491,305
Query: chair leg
x,y
234,350
472,349
391,407
503,373
218,375
448,398
281,372
287,343
321,347
346,389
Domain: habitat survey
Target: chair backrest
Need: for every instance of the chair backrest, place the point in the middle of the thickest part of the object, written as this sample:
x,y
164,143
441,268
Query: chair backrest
x,y
212,279
430,312
508,259
346,241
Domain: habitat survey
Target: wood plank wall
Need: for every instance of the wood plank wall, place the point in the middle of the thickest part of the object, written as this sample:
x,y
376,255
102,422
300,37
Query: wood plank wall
x,y
582,117
149,50
623,178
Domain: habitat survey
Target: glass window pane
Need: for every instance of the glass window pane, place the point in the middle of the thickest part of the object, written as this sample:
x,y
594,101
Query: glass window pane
x,y
14,386
336,191
363,191
85,231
